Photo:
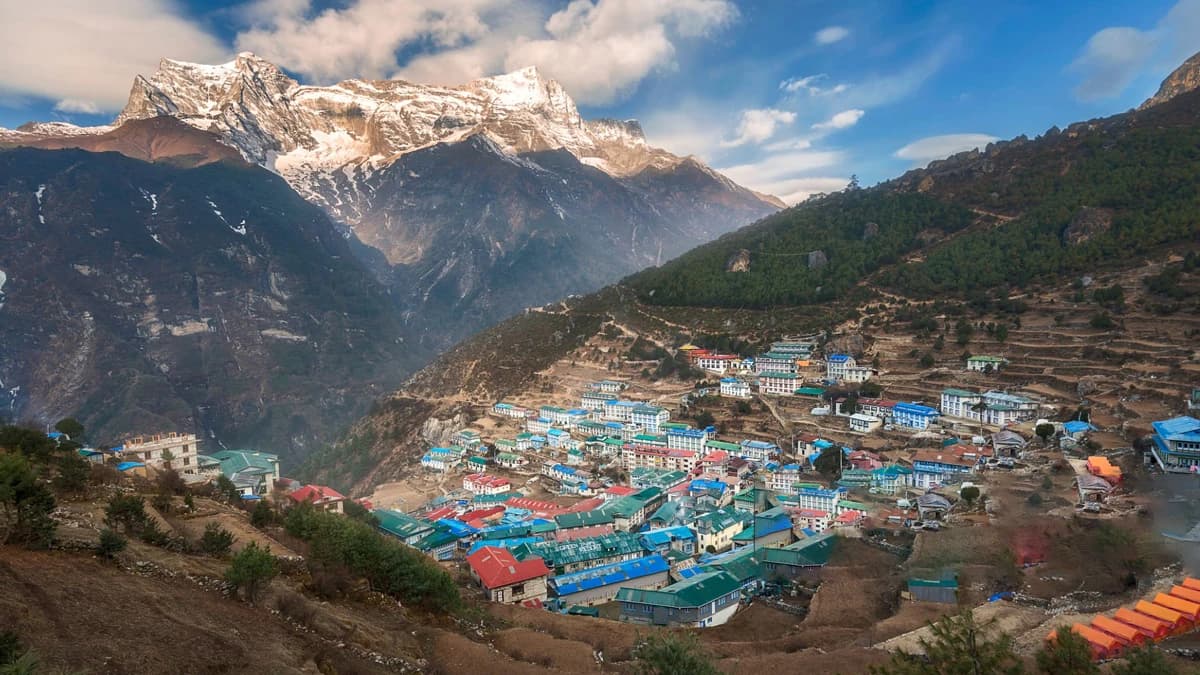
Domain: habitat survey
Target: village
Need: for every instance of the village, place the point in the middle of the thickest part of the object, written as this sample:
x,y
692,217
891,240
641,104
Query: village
x,y
617,503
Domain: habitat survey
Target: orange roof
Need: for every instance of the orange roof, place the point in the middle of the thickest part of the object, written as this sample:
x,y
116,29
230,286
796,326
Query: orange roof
x,y
1125,633
1191,583
1190,610
1160,612
1103,644
1189,594
1155,629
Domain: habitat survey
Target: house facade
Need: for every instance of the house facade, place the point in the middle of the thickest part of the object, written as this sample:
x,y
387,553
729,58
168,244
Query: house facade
x,y
649,417
1176,446
913,416
161,451
864,424
734,388
704,600
718,363
837,365
984,363
778,383
504,579
774,362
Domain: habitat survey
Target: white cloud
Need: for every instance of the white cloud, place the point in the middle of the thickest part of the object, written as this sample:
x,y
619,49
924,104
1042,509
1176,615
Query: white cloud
x,y
830,35
785,174
1110,61
599,50
85,54
809,85
925,150
359,39
1114,57
842,120
75,105
757,126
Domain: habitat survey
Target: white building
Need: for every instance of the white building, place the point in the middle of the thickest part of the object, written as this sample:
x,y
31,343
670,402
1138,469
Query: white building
x,y
609,386
649,417
509,410
161,451
773,362
557,416
985,363
735,388
864,424
778,383
483,484
759,452
819,499
539,425
992,407
718,363
595,400
686,439
857,374
784,478
837,365
619,411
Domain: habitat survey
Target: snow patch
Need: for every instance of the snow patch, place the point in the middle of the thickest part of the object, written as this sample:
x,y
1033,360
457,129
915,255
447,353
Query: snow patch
x,y
3,280
152,198
40,192
240,228
86,270
191,327
280,334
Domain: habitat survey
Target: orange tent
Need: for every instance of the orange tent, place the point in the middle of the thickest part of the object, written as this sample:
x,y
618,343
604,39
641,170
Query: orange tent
x,y
1151,627
1190,610
1104,646
1179,623
1191,583
1189,594
1128,635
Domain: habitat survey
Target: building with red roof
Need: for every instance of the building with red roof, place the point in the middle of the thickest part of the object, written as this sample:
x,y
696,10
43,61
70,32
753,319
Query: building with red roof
x,y
321,496
485,484
505,579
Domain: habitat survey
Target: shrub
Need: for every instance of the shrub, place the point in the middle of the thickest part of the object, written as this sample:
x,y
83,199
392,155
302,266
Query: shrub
x,y
295,607
189,502
1047,484
969,494
73,472
152,534
1102,321
926,360
251,569
664,653
216,540
263,515
1068,653
1034,499
161,503
111,543
126,513
170,482
25,504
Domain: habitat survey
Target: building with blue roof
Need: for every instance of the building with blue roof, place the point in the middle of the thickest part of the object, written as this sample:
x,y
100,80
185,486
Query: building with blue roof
x,y
913,416
1176,445
686,439
678,538
1077,428
600,584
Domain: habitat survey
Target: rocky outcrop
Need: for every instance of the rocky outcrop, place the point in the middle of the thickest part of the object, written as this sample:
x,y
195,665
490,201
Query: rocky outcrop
x,y
816,259
870,230
1087,223
1183,79
738,262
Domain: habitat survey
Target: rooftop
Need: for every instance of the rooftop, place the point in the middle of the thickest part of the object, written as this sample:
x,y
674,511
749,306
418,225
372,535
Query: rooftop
x,y
694,592
497,567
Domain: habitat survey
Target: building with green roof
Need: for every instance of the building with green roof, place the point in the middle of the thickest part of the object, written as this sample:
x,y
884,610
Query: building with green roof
x,y
402,526
579,554
707,599
712,445
574,521
715,530
791,560
255,471
630,511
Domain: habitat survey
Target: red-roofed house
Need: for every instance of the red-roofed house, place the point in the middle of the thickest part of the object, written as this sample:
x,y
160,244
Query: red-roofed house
x,y
536,505
484,484
811,519
864,459
618,491
849,518
320,496
584,505
714,461
505,579
582,532
490,513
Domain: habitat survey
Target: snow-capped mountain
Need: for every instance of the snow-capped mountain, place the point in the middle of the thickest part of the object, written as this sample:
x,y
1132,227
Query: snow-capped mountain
x,y
298,130
463,190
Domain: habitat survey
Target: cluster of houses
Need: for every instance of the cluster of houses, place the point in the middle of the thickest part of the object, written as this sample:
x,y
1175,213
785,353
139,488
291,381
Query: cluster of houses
x,y
253,474
687,554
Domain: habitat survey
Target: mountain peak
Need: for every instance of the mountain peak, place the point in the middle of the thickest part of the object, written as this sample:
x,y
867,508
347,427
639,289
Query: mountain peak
x,y
1183,79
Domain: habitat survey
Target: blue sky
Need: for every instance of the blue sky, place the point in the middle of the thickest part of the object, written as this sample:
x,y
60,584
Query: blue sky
x,y
786,96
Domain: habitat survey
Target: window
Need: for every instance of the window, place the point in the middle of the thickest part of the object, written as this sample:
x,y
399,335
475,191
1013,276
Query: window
x,y
518,589
187,461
